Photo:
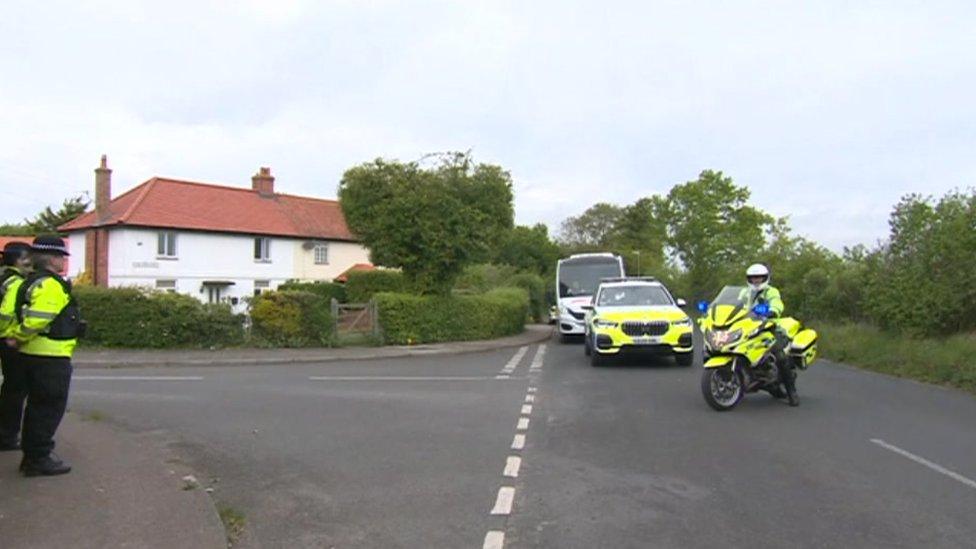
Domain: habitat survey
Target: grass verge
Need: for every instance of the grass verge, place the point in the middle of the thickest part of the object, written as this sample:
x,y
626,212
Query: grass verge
x,y
234,523
945,361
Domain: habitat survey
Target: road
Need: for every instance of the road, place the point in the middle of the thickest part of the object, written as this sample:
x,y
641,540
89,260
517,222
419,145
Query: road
x,y
457,451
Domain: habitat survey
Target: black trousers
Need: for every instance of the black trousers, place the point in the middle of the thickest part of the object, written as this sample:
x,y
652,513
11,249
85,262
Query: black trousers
x,y
13,392
48,380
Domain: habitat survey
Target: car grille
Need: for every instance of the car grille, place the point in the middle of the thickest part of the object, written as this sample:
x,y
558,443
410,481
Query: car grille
x,y
637,328
577,316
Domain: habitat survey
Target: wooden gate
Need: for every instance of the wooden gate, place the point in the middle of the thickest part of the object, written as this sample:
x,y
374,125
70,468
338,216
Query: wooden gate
x,y
355,319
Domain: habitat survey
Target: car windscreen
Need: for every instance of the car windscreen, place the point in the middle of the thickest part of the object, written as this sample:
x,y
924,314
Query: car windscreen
x,y
633,296
582,277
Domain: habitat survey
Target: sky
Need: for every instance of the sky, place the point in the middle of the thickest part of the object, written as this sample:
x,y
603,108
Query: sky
x,y
829,111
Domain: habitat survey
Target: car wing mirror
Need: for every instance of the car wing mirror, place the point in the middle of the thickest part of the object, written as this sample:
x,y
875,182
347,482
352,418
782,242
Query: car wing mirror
x,y
681,302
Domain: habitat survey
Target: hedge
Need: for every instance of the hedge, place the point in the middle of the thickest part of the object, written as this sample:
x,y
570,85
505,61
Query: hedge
x,y
408,319
291,319
535,286
140,318
362,285
328,290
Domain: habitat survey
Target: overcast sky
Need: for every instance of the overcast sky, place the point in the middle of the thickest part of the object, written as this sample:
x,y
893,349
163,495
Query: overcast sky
x,y
828,110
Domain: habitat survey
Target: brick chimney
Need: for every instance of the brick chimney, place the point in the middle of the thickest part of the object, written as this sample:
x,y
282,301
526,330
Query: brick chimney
x,y
103,190
263,182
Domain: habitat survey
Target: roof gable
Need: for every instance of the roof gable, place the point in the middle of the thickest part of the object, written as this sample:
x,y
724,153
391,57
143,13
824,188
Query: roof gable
x,y
176,204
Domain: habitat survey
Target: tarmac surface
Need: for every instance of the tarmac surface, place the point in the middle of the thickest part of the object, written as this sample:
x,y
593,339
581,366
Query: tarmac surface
x,y
530,446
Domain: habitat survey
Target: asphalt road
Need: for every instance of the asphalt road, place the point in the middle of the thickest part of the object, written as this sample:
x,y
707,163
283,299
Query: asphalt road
x,y
414,453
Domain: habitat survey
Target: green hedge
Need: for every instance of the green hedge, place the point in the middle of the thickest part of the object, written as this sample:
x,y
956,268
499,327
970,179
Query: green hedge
x,y
408,319
328,290
139,318
536,288
291,319
362,285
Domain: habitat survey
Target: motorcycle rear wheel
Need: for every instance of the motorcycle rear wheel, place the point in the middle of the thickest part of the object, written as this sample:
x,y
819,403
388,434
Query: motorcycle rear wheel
x,y
722,388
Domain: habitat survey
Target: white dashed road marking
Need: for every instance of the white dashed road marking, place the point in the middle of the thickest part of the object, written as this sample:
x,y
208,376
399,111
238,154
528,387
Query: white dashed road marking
x,y
503,504
922,461
523,424
518,442
527,409
512,466
137,378
514,362
530,398
494,540
538,358
532,389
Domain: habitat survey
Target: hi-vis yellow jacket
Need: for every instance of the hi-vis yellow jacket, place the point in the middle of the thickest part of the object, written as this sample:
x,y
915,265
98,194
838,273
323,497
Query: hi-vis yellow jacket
x,y
8,310
44,300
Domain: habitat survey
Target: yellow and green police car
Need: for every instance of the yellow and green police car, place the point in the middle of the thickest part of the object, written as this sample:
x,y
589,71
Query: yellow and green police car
x,y
637,314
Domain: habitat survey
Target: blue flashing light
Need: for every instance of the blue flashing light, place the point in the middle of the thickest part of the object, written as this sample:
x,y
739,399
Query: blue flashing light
x,y
703,306
761,309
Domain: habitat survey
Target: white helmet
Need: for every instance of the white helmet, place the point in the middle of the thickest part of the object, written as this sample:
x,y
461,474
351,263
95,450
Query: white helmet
x,y
758,270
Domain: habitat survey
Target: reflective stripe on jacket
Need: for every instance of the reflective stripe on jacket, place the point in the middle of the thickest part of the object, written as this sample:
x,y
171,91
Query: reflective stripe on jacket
x,y
8,311
45,299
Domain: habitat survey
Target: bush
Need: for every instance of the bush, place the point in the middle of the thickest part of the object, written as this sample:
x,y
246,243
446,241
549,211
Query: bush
x,y
407,319
134,317
536,288
328,290
291,319
362,285
484,276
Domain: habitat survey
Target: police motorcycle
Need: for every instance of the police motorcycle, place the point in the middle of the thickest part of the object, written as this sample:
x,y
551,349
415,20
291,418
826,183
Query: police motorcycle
x,y
738,348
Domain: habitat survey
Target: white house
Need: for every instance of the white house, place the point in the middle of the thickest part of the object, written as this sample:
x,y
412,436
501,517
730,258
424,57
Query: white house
x,y
214,242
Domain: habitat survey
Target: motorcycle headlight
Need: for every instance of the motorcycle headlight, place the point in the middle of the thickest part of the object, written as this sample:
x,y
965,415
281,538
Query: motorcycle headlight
x,y
600,323
682,323
721,338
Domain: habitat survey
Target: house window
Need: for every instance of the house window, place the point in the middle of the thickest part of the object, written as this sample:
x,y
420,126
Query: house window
x,y
168,286
261,286
166,244
262,249
321,254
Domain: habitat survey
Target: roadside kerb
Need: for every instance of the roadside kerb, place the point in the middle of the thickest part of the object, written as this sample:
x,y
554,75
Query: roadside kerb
x,y
253,357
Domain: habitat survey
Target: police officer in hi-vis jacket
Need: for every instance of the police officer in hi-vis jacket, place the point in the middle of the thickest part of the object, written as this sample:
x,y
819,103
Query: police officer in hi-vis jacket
x,y
49,325
16,267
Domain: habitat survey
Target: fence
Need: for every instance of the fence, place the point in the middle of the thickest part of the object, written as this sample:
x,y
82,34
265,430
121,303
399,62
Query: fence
x,y
355,320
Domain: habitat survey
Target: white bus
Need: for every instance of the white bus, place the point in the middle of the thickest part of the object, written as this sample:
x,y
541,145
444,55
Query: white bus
x,y
577,278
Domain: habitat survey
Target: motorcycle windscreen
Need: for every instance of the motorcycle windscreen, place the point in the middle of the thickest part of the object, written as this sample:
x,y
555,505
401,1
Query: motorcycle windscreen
x,y
719,361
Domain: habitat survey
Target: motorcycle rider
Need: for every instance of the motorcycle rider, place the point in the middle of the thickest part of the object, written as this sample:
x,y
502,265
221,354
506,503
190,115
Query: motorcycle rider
x,y
758,291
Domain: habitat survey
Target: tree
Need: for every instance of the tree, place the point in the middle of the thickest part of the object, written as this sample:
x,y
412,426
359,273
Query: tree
x,y
48,221
430,222
591,230
529,249
639,235
713,231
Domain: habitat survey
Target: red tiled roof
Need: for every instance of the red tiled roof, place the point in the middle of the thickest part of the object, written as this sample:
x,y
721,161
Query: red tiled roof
x,y
344,277
175,204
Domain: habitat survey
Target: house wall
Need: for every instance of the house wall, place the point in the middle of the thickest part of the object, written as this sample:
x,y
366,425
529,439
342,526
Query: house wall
x,y
78,249
133,261
342,255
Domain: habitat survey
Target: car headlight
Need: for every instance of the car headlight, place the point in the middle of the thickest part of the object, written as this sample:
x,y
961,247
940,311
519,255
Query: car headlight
x,y
686,322
600,323
721,338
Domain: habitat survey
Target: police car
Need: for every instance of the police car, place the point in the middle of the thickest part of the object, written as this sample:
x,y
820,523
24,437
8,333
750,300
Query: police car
x,y
637,314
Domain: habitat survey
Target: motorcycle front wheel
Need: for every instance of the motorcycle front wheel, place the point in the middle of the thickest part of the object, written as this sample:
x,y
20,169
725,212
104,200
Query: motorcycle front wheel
x,y
722,388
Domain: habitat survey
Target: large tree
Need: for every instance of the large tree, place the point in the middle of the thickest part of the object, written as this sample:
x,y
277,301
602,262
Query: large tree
x,y
528,249
591,230
49,220
640,236
713,230
429,221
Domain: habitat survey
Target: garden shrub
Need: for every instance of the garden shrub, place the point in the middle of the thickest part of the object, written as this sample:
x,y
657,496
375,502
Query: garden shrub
x,y
407,319
140,318
291,319
362,285
328,290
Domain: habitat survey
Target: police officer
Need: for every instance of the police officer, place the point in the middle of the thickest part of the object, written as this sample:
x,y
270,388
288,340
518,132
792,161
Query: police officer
x,y
759,290
16,266
48,330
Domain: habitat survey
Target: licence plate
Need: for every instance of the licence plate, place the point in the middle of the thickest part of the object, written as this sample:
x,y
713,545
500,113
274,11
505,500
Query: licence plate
x,y
647,340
